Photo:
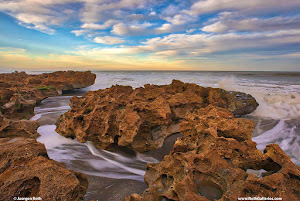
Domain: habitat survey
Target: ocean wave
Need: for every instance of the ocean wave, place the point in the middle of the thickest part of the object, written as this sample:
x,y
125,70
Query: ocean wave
x,y
275,101
286,134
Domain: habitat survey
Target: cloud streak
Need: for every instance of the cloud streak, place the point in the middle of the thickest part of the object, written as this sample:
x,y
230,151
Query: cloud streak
x,y
253,6
229,22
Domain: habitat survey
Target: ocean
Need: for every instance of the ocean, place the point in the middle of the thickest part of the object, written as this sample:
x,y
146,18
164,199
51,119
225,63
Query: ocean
x,y
277,117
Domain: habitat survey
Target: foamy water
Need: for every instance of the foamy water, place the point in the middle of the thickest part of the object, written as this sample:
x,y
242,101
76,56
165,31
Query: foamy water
x,y
277,118
84,157
276,100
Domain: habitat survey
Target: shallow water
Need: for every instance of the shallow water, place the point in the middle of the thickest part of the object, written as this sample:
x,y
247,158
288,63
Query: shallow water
x,y
277,118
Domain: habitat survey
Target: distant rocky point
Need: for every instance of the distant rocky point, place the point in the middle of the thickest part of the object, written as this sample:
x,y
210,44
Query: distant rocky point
x,y
142,118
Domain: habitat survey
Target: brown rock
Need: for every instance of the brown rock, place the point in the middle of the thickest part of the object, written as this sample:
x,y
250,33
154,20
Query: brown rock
x,y
211,162
27,171
25,168
141,118
18,128
20,92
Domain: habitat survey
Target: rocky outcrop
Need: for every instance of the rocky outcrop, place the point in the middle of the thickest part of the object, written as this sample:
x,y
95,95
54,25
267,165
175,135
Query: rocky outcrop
x,y
25,168
20,92
215,160
27,171
18,128
142,118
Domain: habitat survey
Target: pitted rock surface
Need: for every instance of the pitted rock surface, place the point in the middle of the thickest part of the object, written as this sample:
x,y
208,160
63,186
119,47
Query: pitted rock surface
x,y
20,92
27,171
142,118
212,160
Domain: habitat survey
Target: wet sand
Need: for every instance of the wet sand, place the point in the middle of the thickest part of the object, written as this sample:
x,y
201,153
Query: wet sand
x,y
106,189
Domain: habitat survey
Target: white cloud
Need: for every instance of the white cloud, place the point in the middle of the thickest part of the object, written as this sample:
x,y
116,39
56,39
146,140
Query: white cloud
x,y
108,40
190,30
180,19
175,20
204,44
93,26
136,17
106,25
131,29
169,28
171,10
38,22
215,27
95,11
152,13
165,28
37,14
207,6
229,22
120,29
79,32
42,15
295,55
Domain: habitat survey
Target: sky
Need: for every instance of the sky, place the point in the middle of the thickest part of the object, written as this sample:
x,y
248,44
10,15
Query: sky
x,y
210,35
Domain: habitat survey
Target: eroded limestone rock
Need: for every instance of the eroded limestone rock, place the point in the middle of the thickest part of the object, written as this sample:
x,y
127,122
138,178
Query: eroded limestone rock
x,y
27,171
142,118
211,160
18,128
20,92
25,168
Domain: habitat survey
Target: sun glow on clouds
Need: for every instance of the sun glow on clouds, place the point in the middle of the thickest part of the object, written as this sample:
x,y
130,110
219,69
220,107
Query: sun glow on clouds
x,y
95,60
157,34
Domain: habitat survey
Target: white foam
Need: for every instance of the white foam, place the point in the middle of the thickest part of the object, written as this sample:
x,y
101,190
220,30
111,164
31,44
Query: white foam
x,y
96,152
286,135
274,102
92,161
51,139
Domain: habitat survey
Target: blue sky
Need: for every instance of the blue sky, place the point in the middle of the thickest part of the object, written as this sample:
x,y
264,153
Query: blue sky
x,y
150,34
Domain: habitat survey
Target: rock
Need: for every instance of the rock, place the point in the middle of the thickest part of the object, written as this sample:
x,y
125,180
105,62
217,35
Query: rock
x,y
142,118
27,171
25,168
20,92
212,160
18,128
240,103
